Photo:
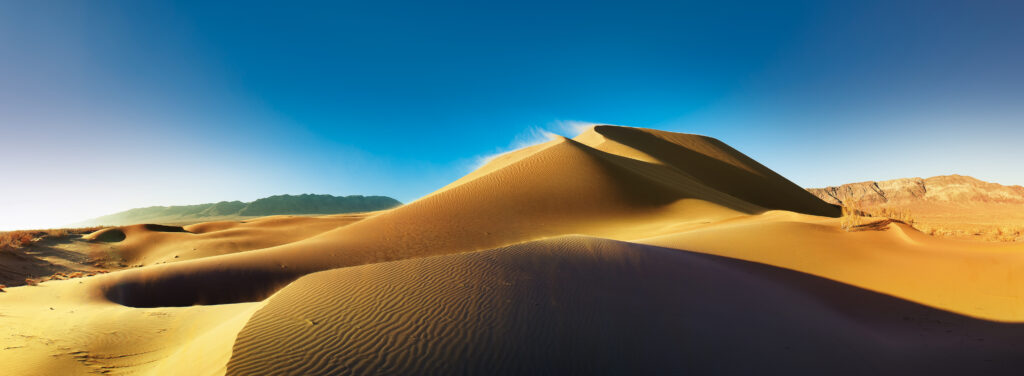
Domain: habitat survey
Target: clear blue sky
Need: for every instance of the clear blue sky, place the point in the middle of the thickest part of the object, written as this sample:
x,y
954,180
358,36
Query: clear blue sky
x,y
110,105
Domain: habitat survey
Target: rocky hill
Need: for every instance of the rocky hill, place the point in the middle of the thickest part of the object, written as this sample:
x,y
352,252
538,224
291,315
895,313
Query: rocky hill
x,y
954,189
273,205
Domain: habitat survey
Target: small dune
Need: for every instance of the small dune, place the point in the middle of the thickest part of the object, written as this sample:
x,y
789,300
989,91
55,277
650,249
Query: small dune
x,y
108,235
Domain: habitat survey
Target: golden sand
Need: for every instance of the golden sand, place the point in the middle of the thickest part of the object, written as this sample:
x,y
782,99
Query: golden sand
x,y
623,250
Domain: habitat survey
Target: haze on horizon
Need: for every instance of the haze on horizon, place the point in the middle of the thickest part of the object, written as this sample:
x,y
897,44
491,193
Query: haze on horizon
x,y
115,105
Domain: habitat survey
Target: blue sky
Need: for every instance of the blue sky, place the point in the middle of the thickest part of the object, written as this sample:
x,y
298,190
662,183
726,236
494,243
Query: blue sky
x,y
106,106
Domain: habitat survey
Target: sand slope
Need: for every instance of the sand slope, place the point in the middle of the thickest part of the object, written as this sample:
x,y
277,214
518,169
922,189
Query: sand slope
x,y
150,244
573,256
593,306
972,278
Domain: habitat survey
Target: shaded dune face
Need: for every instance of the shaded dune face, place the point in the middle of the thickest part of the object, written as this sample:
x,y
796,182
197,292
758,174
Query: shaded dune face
x,y
163,228
204,287
595,306
712,162
108,235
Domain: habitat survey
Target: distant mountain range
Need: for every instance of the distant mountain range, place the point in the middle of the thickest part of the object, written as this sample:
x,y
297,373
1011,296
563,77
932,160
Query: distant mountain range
x,y
273,205
949,189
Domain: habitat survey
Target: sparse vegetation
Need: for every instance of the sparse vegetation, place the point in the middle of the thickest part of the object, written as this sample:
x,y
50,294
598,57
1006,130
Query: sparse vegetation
x,y
26,261
856,218
992,233
895,214
15,239
24,238
851,217
60,276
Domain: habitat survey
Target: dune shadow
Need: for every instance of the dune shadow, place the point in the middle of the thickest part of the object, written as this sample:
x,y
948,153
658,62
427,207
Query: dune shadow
x,y
17,264
205,287
581,305
890,335
163,228
728,178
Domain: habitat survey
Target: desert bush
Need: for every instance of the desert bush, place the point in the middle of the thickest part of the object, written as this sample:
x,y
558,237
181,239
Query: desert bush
x,y
24,238
929,230
851,217
856,217
896,214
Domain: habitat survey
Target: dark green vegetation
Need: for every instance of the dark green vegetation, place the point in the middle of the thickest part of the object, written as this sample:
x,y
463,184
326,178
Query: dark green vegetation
x,y
273,205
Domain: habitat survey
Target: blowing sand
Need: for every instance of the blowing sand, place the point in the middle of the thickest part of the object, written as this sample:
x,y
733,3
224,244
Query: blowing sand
x,y
622,250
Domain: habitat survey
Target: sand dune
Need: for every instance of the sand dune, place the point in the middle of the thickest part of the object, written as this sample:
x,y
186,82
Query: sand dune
x,y
149,244
572,256
593,306
562,187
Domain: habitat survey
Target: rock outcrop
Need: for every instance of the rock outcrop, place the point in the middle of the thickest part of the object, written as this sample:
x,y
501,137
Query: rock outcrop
x,y
948,189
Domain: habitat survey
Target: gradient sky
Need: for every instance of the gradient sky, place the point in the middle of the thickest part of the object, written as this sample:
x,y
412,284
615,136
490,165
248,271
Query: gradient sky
x,y
111,105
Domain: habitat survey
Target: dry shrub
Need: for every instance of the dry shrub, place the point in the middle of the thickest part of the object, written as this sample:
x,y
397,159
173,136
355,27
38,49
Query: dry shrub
x,y
855,217
16,239
1006,234
852,216
992,233
929,230
24,238
60,276
896,214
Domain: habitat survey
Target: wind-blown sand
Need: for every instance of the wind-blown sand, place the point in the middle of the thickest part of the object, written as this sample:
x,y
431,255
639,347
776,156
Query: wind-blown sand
x,y
623,250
